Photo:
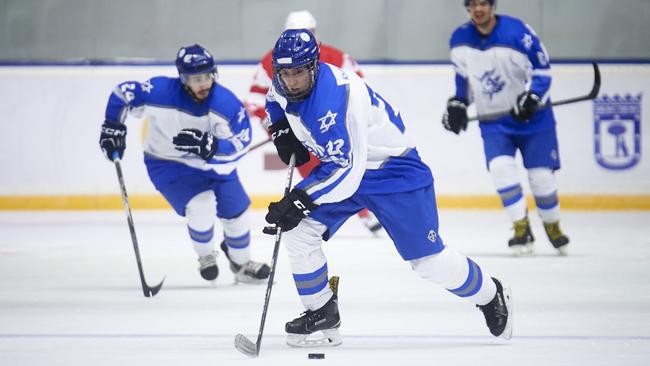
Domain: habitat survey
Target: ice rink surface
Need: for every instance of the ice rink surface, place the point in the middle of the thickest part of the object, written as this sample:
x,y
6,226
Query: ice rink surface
x,y
70,295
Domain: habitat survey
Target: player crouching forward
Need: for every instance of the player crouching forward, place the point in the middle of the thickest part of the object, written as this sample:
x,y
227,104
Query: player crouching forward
x,y
198,131
365,161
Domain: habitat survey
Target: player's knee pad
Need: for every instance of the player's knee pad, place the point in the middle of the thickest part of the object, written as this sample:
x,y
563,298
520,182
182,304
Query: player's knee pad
x,y
503,170
544,187
237,226
201,210
304,238
542,181
447,268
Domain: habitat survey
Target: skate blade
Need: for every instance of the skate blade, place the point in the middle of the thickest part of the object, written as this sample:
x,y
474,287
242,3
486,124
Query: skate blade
x,y
250,281
525,250
507,332
328,338
563,250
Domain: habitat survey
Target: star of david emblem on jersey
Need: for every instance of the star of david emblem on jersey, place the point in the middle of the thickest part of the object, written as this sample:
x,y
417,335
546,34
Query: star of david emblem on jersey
x,y
327,121
491,83
527,41
241,115
146,86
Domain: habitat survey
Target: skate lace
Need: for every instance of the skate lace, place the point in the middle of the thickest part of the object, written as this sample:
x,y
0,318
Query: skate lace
x,y
252,267
553,230
521,228
207,261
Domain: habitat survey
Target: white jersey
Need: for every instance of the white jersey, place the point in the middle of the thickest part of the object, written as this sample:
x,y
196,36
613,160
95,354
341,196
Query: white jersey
x,y
170,109
492,71
358,137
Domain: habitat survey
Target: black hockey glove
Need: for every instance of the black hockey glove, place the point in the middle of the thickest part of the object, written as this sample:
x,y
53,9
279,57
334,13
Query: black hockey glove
x,y
290,210
286,143
112,140
455,119
527,104
195,141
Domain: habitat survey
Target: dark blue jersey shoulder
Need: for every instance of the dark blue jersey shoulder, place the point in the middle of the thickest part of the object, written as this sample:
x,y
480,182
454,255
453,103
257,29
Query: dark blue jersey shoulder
x,y
224,102
171,93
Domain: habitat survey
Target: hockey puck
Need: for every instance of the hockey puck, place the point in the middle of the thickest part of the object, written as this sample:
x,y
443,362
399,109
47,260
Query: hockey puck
x,y
316,356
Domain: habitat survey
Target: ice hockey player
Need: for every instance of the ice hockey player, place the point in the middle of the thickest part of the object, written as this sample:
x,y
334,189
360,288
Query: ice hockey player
x,y
262,82
198,131
366,161
501,64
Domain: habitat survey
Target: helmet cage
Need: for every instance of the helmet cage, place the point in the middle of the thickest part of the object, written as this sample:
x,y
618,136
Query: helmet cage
x,y
296,48
281,86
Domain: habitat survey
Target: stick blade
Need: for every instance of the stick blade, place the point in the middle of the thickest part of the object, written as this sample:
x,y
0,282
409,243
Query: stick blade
x,y
596,89
152,291
246,346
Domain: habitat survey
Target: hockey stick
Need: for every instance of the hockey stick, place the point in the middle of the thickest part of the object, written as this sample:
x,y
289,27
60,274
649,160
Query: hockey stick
x,y
592,94
259,144
243,344
147,290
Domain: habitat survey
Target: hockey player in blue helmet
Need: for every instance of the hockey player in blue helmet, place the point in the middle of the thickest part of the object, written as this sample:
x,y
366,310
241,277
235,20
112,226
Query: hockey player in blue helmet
x,y
295,64
197,70
198,132
366,160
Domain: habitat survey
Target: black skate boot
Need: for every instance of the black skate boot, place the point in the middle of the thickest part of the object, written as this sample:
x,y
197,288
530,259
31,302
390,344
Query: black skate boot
x,y
326,320
250,272
208,266
498,312
522,242
557,237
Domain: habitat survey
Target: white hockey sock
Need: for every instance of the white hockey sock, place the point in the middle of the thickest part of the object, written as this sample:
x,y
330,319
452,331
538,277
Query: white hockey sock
x,y
308,263
458,274
544,187
237,237
503,170
199,213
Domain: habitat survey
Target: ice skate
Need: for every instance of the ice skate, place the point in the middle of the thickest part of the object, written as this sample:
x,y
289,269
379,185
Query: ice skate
x,y
498,312
370,221
301,332
557,237
522,242
249,272
208,266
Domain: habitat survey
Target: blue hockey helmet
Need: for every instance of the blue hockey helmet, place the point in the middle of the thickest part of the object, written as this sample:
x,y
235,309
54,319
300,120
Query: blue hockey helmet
x,y
295,49
193,60
492,2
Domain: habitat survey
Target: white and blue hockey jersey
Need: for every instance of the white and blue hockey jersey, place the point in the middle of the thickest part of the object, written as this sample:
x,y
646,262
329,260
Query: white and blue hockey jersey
x,y
170,108
358,137
492,71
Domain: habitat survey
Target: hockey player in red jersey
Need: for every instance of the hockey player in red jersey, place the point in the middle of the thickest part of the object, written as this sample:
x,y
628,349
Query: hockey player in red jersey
x,y
262,82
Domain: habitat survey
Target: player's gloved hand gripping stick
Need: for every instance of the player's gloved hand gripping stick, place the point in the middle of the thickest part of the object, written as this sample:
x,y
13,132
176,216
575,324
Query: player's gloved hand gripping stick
x,y
592,94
